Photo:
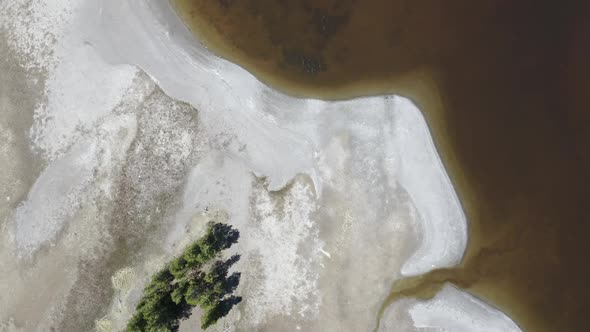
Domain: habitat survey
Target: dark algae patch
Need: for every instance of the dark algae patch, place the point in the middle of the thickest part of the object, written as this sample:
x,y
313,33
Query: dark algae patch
x,y
308,64
503,86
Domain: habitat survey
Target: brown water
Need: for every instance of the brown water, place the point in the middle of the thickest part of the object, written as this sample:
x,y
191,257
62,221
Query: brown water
x,y
502,84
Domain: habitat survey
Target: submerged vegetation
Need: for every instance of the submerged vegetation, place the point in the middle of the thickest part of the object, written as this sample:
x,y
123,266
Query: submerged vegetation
x,y
196,278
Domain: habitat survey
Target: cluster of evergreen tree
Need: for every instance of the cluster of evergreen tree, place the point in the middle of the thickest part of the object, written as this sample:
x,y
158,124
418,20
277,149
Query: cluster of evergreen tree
x,y
196,278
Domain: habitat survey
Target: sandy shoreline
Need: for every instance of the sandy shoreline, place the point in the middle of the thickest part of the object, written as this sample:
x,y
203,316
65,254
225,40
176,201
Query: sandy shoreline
x,y
368,163
180,70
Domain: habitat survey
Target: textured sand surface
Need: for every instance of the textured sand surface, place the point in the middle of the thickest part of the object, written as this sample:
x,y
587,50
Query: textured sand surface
x,y
127,136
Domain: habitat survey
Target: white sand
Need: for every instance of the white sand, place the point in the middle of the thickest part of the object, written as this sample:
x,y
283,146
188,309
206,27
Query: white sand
x,y
279,136
450,310
329,196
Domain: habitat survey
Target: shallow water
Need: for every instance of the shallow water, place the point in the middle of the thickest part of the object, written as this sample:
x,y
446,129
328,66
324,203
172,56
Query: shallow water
x,y
502,85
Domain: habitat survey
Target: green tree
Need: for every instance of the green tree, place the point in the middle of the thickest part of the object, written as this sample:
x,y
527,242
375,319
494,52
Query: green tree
x,y
185,283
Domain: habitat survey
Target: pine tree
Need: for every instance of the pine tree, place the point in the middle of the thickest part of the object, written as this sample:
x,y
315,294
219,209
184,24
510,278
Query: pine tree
x,y
184,284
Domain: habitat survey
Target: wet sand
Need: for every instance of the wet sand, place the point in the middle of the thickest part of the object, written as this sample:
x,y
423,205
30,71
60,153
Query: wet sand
x,y
502,85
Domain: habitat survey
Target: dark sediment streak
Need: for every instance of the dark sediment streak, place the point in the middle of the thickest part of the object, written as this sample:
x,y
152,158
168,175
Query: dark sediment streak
x,y
503,87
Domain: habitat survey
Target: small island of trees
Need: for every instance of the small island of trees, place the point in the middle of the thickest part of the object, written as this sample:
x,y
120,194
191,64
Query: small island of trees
x,y
196,278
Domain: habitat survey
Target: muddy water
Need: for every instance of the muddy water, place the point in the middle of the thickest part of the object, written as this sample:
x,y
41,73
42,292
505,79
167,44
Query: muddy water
x,y
503,87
